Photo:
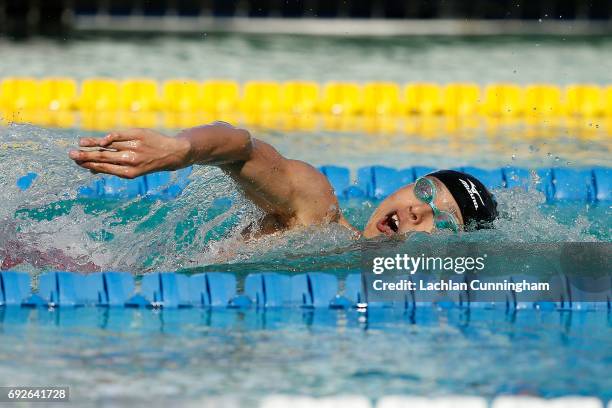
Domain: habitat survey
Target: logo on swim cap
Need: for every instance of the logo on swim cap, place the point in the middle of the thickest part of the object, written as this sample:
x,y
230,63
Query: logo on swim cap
x,y
471,189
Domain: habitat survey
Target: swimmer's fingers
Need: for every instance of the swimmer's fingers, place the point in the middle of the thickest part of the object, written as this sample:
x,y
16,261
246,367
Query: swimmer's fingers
x,y
126,157
113,138
90,142
114,169
122,146
122,136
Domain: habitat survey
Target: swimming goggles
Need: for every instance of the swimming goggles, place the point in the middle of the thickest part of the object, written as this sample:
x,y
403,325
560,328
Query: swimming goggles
x,y
425,190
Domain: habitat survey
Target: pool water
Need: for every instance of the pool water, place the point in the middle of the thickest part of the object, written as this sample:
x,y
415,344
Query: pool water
x,y
284,57
126,356
131,356
115,355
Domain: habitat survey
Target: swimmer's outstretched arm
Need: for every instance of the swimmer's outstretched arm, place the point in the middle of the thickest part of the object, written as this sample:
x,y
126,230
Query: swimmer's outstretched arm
x,y
292,191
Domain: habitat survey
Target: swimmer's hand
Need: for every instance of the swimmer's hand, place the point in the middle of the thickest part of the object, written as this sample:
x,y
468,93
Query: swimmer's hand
x,y
132,153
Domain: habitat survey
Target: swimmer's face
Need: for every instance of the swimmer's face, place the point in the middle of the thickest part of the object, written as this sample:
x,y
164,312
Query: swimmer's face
x,y
403,212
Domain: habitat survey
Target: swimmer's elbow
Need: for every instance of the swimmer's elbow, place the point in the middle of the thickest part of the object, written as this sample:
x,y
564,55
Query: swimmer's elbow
x,y
244,144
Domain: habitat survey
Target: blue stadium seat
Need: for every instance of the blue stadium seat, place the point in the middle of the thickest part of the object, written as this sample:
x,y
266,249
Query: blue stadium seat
x,y
166,289
59,288
268,289
339,178
492,179
573,185
515,177
25,182
603,183
313,289
14,288
212,289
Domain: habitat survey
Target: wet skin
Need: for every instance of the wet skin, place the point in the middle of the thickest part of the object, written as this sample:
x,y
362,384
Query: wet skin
x,y
292,193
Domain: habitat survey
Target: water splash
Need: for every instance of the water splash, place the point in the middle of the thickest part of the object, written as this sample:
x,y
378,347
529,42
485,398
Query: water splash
x,y
48,226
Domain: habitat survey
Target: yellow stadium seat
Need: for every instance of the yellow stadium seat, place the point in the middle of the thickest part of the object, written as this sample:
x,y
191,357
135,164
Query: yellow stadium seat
x,y
423,98
182,95
261,97
99,95
461,99
503,100
19,94
139,95
58,94
584,100
220,96
300,97
381,98
342,98
542,99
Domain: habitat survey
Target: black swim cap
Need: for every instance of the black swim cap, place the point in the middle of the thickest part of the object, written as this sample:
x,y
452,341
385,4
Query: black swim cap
x,y
477,205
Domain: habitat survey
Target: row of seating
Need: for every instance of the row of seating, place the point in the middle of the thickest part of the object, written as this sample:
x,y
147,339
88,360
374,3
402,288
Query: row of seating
x,y
339,98
261,290
374,182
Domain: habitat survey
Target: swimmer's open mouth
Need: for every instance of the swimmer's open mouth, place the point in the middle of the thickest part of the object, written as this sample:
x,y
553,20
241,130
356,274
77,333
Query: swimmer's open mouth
x,y
390,224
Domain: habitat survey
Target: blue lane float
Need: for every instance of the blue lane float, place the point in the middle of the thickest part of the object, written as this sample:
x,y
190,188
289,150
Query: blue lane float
x,y
164,185
372,182
312,290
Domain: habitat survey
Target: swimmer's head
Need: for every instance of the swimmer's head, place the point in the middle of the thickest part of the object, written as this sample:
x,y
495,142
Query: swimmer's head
x,y
459,199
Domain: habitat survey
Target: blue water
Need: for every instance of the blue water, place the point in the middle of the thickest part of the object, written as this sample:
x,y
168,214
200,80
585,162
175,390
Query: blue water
x,y
123,355
129,356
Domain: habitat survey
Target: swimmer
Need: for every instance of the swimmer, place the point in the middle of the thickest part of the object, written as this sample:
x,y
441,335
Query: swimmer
x,y
291,193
